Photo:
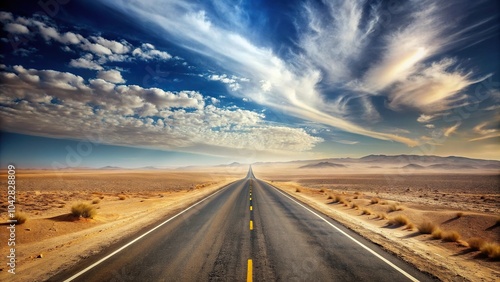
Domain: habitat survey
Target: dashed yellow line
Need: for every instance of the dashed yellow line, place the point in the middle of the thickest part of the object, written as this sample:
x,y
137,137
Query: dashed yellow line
x,y
250,198
251,208
249,271
251,224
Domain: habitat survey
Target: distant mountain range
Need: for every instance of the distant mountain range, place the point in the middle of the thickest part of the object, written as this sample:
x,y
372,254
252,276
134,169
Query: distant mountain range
x,y
323,165
410,162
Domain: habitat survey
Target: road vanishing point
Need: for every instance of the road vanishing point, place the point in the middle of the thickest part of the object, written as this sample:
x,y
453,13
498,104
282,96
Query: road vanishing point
x,y
246,231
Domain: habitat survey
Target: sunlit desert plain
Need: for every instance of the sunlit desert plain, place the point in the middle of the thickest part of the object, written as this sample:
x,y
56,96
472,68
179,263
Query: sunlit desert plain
x,y
384,203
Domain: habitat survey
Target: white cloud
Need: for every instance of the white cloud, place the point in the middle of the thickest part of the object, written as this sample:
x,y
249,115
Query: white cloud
x,y
450,130
423,118
430,125
147,52
16,28
85,62
232,81
113,76
487,130
123,114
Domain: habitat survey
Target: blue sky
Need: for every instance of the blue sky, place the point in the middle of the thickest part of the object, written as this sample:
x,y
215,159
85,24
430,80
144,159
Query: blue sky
x,y
169,83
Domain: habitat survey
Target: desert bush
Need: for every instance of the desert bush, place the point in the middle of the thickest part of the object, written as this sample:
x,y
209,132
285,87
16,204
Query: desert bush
x,y
451,236
395,207
374,201
338,198
83,210
96,201
21,217
410,226
476,243
381,215
366,211
355,206
297,190
322,190
383,203
437,233
122,197
426,227
459,214
492,250
330,197
399,220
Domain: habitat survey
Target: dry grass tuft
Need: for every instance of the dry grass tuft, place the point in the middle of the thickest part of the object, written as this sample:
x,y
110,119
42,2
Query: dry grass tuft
x,y
330,197
21,217
427,227
395,207
374,201
83,210
437,233
96,201
476,243
381,215
338,199
451,236
492,250
459,214
122,197
322,190
298,190
410,226
399,220
366,211
355,206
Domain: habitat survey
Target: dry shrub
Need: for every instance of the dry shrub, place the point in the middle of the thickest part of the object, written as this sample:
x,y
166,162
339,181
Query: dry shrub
x,y
399,220
427,227
366,211
330,197
21,217
298,190
122,197
492,250
356,197
338,198
395,207
384,203
476,243
322,190
355,206
374,201
459,214
96,201
381,215
451,236
437,233
83,210
410,226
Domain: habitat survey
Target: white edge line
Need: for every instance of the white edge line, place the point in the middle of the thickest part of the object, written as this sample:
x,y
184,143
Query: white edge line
x,y
350,237
140,237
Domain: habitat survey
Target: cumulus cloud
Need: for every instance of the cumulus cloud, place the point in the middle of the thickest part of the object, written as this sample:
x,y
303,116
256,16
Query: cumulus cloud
x,y
85,62
147,52
65,105
232,82
16,28
113,76
423,118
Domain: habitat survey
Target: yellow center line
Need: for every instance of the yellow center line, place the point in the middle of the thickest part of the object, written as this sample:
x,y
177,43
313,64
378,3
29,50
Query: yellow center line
x,y
251,225
250,198
251,208
249,271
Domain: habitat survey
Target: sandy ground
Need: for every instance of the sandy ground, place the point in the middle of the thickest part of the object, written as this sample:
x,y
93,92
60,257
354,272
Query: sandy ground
x,y
468,204
52,239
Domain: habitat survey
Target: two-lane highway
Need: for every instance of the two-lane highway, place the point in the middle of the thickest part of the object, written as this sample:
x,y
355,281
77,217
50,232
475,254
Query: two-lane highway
x,y
248,230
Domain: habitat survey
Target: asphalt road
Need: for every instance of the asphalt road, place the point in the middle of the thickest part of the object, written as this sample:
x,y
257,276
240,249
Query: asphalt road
x,y
248,230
